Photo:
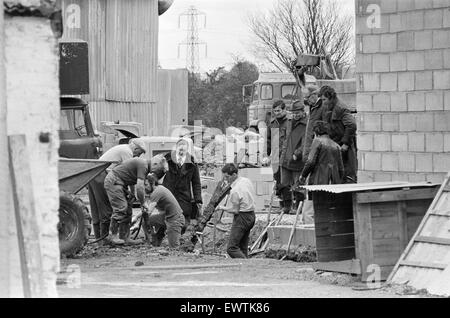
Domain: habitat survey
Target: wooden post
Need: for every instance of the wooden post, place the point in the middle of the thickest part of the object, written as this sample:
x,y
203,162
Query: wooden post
x,y
26,221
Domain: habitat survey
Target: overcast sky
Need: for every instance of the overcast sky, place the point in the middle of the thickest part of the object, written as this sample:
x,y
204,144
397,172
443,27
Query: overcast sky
x,y
226,34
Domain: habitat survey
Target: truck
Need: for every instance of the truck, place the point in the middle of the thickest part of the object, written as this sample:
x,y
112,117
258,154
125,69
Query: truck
x,y
268,88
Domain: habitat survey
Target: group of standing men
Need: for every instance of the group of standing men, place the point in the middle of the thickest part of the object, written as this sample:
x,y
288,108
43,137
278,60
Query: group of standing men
x,y
319,145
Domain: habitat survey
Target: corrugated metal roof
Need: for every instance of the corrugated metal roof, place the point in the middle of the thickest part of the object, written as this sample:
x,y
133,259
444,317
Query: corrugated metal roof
x,y
358,187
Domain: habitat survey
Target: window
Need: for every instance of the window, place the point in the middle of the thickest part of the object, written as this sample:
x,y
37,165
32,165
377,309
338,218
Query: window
x,y
288,91
255,92
72,121
266,91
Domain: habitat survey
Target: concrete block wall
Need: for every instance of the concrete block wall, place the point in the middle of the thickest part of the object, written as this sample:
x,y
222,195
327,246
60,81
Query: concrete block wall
x,y
403,89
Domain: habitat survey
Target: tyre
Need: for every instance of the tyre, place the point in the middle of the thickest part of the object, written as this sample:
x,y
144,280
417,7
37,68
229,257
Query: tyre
x,y
73,226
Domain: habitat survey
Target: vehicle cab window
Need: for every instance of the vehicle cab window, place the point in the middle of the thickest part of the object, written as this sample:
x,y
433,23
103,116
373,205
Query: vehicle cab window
x,y
72,123
288,91
266,91
255,92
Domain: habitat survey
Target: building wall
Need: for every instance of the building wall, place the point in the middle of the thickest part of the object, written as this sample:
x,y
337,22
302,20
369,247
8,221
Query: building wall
x,y
5,190
124,85
403,89
32,97
172,105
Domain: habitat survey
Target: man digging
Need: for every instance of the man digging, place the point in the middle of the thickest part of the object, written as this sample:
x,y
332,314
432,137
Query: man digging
x,y
241,203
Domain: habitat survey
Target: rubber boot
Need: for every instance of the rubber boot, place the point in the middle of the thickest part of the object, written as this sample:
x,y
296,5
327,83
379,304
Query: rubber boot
x,y
124,234
113,237
96,228
104,229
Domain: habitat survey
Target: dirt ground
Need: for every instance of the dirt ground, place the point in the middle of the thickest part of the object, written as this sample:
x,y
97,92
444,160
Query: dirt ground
x,y
146,271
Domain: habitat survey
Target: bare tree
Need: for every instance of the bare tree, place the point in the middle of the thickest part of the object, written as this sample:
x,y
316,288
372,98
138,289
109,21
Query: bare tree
x,y
307,26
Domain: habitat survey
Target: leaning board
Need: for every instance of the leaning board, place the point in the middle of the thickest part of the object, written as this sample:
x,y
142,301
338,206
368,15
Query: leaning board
x,y
425,263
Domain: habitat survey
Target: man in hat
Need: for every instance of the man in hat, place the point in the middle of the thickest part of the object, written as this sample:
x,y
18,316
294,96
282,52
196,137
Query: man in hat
x,y
314,104
101,210
291,159
183,180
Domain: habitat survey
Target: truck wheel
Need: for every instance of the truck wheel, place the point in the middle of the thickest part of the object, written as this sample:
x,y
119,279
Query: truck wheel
x,y
72,230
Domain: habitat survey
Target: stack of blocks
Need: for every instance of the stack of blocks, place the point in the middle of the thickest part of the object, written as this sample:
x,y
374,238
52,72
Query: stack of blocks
x,y
403,89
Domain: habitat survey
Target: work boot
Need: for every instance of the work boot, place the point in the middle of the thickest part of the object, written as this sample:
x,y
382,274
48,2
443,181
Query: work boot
x,y
124,234
113,237
96,228
288,207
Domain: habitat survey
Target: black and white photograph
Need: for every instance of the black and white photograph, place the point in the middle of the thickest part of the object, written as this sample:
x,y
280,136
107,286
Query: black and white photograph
x,y
224,155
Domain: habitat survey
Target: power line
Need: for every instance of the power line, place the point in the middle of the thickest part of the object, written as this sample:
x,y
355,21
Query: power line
x,y
192,41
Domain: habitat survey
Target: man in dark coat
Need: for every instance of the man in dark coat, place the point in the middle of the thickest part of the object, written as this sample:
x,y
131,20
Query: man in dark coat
x,y
342,130
291,161
314,103
183,180
324,164
276,147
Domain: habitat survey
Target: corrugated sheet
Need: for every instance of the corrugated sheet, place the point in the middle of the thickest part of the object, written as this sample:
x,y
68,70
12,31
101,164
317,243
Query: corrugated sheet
x,y
172,98
92,30
122,111
131,50
356,187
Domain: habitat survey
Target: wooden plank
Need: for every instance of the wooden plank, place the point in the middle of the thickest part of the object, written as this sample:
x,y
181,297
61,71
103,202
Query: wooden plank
x,y
336,227
363,233
432,240
336,254
26,219
383,210
398,195
332,207
403,224
446,213
332,241
421,226
418,207
424,264
352,266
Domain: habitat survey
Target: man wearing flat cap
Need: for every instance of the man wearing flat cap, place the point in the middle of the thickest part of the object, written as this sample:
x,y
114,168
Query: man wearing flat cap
x,y
291,158
101,210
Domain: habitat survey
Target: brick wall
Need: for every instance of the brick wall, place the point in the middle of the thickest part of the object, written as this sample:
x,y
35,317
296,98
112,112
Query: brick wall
x,y
403,89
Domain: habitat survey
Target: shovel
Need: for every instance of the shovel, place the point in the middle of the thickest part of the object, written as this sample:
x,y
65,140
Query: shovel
x,y
293,229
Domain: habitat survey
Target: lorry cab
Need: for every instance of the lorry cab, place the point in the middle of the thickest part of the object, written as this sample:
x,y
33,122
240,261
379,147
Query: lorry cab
x,y
76,133
268,88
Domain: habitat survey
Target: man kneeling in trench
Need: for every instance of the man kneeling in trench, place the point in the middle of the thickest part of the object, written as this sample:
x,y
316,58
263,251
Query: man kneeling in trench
x,y
165,213
242,199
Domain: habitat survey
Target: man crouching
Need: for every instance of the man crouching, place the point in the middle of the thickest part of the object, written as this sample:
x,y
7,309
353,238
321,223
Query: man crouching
x,y
242,200
165,213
